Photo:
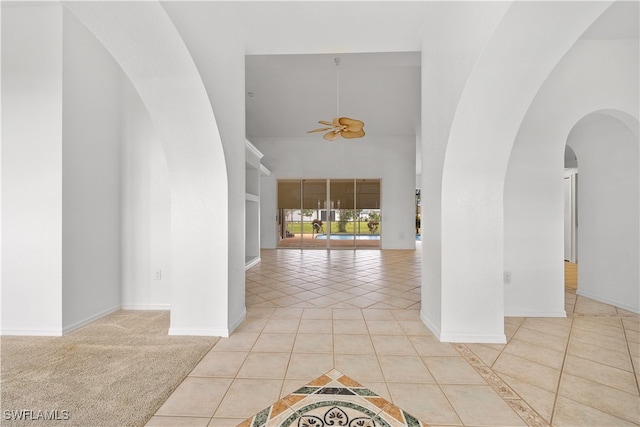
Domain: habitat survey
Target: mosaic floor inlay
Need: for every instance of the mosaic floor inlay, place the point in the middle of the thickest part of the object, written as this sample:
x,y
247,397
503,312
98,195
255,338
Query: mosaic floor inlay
x,y
333,400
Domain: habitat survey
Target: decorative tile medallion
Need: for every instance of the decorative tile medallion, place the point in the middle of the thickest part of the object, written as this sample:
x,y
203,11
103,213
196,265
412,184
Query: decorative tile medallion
x,y
333,400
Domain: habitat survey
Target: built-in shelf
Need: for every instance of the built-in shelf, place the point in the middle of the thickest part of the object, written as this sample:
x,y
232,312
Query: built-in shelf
x,y
253,170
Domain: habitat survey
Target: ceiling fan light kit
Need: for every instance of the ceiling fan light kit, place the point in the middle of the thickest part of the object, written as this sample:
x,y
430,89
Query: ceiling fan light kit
x,y
340,126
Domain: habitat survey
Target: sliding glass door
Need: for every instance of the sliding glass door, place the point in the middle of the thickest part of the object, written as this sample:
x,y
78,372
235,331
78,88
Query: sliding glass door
x,y
314,213
369,214
329,213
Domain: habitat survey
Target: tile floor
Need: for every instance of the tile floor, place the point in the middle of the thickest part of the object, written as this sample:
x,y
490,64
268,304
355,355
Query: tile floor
x,y
309,312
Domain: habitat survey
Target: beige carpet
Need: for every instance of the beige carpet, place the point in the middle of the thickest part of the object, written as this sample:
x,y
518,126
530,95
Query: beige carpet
x,y
116,371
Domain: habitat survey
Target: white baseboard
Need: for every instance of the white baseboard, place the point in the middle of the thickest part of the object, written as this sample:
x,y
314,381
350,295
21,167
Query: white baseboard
x,y
433,328
252,263
150,307
89,319
474,338
32,332
624,306
462,338
210,332
238,321
536,314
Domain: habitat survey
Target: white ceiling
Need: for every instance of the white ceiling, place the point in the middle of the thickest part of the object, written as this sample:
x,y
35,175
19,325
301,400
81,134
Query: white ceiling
x,y
291,73
288,94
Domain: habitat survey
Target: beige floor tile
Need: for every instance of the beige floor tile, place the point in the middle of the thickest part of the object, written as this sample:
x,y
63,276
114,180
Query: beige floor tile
x,y
606,399
317,313
264,365
347,314
291,385
376,314
603,374
430,346
246,397
309,365
352,344
265,304
259,313
393,344
282,326
196,397
323,301
278,343
633,337
349,327
313,343
361,366
384,327
252,325
608,326
453,370
225,422
159,421
527,371
317,326
360,302
219,364
238,341
406,314
540,400
589,306
404,369
535,353
380,388
599,354
414,327
481,405
632,323
604,341
272,294
572,414
541,339
251,300
559,326
427,402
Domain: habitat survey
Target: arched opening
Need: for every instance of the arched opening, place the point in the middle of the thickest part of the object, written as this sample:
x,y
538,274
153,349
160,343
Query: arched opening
x,y
606,147
570,219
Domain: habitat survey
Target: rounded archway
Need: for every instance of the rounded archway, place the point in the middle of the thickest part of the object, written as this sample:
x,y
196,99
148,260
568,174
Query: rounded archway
x,y
145,43
608,235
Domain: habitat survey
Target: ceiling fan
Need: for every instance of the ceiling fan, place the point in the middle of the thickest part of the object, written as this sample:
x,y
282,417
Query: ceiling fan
x,y
340,126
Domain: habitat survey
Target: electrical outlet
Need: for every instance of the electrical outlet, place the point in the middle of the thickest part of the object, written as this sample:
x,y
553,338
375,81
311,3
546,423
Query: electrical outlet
x,y
507,277
158,274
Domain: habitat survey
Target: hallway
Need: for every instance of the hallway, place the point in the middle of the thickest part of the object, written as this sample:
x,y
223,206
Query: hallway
x,y
358,312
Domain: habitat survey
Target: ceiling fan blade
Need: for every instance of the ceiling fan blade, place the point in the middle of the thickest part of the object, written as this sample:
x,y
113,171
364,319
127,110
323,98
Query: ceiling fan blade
x,y
324,122
353,134
331,136
319,130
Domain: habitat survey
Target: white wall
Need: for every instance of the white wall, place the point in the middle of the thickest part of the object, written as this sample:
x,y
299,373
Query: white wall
x,y
219,58
90,178
609,213
594,75
145,43
452,43
146,209
32,170
268,212
391,159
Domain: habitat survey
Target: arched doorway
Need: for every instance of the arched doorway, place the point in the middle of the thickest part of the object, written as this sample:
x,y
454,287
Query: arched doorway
x,y
608,238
